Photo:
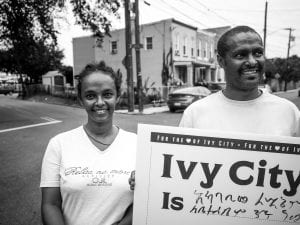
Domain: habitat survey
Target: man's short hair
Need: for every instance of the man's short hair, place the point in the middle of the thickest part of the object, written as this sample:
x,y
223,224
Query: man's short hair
x,y
222,46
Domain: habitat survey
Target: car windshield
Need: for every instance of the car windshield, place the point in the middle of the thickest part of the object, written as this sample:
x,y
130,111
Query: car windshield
x,y
193,90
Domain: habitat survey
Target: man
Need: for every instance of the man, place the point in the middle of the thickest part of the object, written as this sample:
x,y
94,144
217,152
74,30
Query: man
x,y
242,106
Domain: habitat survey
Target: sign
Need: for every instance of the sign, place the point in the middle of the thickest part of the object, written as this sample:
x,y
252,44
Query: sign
x,y
191,177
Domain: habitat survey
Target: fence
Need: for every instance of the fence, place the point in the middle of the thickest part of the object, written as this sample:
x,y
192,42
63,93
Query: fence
x,y
40,89
151,95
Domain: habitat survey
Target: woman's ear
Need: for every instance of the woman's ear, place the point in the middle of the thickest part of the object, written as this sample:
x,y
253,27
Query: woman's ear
x,y
80,100
118,99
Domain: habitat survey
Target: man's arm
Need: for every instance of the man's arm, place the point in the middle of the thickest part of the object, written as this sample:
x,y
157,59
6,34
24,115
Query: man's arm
x,y
127,218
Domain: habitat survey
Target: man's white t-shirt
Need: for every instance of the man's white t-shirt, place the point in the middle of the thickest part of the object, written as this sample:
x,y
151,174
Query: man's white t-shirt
x,y
267,114
93,183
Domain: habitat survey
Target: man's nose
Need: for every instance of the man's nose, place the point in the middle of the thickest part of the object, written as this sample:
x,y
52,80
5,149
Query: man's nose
x,y
252,60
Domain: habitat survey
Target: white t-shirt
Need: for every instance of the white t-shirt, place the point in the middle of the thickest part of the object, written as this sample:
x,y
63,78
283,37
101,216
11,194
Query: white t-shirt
x,y
93,183
267,114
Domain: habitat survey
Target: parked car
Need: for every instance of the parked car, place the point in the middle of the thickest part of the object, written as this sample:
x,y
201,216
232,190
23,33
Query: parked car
x,y
6,89
265,88
215,87
182,98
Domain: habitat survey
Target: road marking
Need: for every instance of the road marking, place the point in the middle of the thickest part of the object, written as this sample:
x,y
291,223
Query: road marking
x,y
50,121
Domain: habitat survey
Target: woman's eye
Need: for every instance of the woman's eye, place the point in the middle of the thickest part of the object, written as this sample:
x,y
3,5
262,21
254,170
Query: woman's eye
x,y
108,95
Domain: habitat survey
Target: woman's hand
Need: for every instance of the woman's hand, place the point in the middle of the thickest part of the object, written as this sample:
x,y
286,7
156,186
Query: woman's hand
x,y
131,180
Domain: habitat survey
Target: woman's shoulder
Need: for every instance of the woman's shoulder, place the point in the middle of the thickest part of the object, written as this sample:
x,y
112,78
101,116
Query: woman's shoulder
x,y
73,133
127,137
127,134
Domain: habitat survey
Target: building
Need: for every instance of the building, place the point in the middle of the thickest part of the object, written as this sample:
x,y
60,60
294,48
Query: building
x,y
185,53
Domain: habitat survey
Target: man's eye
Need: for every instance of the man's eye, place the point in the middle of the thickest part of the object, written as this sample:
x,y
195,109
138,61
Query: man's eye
x,y
238,56
258,54
89,96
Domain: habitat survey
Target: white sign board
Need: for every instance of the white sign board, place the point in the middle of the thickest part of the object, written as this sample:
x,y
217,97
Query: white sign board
x,y
191,177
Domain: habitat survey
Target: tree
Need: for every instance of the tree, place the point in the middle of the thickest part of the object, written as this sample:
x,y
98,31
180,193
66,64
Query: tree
x,y
67,71
270,69
96,17
28,35
289,70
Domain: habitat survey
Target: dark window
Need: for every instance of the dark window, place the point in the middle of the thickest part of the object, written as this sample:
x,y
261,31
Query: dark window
x,y
114,47
149,43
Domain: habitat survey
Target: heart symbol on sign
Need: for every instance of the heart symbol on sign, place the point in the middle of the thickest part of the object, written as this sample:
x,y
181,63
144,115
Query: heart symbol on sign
x,y
188,140
277,148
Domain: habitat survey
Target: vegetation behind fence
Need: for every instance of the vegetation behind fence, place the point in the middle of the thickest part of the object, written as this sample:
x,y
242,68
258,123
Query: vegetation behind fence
x,y
151,95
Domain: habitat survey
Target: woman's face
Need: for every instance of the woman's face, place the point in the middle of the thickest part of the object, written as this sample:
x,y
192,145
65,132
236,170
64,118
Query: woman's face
x,y
98,97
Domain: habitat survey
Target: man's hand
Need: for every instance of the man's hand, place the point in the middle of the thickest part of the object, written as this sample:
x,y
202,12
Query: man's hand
x,y
131,180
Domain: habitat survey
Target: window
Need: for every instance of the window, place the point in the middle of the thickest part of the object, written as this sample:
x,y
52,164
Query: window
x,y
211,51
177,45
113,47
199,49
149,43
177,42
205,51
192,47
184,46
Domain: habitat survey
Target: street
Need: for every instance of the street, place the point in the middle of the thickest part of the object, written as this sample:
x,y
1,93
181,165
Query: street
x,y
22,150
25,129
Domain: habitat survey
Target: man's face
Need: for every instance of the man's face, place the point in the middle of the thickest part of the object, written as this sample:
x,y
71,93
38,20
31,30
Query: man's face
x,y
244,62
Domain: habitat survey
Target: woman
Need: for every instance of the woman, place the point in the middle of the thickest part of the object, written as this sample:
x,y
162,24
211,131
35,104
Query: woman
x,y
85,171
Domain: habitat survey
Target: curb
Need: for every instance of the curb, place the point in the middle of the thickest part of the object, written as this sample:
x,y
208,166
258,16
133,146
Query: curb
x,y
147,111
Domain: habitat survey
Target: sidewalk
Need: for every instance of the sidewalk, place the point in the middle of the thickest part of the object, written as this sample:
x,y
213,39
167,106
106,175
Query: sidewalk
x,y
146,111
291,95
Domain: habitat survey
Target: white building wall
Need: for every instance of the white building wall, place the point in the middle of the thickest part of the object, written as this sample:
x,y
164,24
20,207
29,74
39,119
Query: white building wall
x,y
113,60
83,53
151,60
163,35
183,36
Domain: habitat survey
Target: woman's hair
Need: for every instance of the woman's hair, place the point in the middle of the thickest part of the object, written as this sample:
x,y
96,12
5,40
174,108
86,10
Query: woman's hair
x,y
101,66
223,47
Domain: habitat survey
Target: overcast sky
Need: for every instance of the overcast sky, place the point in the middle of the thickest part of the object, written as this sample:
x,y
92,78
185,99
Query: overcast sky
x,y
211,13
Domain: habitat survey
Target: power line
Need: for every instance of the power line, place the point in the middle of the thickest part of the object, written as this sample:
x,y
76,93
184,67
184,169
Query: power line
x,y
257,10
223,18
193,7
171,12
161,9
180,12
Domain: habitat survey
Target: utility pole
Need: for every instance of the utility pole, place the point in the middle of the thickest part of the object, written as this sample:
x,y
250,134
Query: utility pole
x,y
265,28
128,58
138,56
289,42
288,54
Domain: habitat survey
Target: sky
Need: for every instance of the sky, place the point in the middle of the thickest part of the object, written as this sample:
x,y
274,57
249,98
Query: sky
x,y
281,14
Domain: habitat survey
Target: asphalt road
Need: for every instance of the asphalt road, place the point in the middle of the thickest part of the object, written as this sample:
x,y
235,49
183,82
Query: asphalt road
x,y
22,150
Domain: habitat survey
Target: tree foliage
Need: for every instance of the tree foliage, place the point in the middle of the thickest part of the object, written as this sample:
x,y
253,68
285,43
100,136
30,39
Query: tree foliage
x,y
95,17
28,37
67,71
270,69
289,70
